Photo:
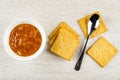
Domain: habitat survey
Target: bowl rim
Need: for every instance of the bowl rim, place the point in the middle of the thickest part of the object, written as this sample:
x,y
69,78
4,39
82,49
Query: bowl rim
x,y
7,34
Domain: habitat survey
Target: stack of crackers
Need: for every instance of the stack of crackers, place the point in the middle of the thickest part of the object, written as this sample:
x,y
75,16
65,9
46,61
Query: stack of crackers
x,y
101,51
64,41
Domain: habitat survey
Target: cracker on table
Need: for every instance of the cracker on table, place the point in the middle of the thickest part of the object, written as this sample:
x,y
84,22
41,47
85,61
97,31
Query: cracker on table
x,y
102,51
63,25
83,22
65,44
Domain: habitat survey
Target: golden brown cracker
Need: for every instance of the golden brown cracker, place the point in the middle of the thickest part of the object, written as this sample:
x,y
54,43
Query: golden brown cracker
x,y
83,22
102,51
65,45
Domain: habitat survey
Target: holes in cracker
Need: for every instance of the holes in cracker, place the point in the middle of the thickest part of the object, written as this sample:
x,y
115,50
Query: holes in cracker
x,y
65,45
69,30
97,57
68,38
96,46
63,40
59,47
108,51
108,57
102,57
102,51
96,51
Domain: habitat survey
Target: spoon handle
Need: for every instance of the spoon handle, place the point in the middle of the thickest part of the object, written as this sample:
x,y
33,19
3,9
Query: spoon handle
x,y
78,64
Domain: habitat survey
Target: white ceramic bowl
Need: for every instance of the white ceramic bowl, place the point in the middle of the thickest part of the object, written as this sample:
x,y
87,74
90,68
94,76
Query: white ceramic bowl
x,y
7,34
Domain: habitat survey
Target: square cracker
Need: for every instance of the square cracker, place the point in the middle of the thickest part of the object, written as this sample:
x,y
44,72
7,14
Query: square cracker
x,y
83,25
63,25
102,51
65,44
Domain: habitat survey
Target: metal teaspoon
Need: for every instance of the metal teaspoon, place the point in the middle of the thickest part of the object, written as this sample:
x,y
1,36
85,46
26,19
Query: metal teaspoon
x,y
92,26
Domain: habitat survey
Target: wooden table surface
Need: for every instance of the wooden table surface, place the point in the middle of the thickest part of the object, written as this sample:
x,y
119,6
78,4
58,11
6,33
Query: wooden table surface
x,y
49,13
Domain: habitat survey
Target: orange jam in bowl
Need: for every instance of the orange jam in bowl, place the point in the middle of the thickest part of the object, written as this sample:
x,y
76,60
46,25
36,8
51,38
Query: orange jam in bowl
x,y
24,39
